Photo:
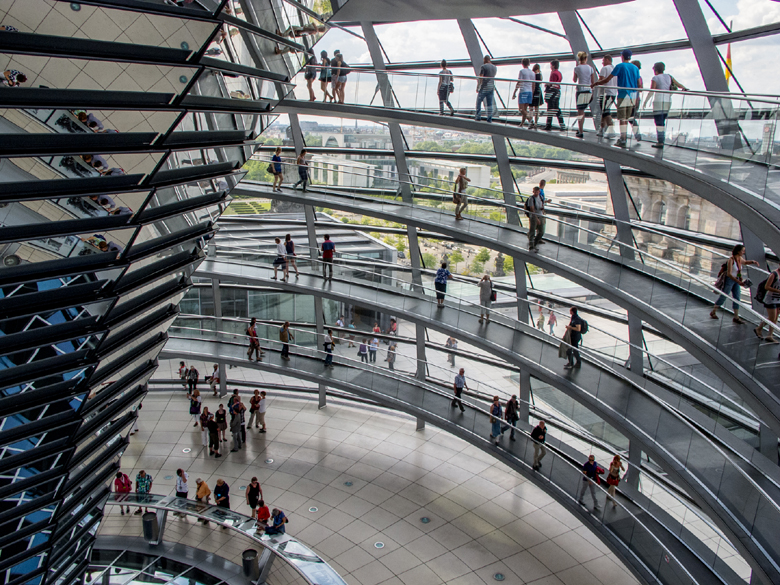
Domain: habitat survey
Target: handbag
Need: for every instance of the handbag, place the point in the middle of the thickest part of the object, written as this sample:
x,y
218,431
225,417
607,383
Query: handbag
x,y
451,88
270,169
456,198
492,294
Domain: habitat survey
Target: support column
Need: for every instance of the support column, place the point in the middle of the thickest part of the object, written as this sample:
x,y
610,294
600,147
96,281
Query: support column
x,y
715,80
311,233
265,563
504,171
399,152
619,197
524,396
634,464
755,250
217,296
767,440
578,42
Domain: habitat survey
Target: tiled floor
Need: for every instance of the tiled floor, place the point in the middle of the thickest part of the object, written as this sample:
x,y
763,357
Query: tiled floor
x,y
484,518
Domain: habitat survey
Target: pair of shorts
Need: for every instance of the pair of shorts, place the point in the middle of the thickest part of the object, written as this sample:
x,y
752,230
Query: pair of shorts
x,y
525,97
222,426
342,78
583,100
441,289
605,103
625,108
280,261
325,79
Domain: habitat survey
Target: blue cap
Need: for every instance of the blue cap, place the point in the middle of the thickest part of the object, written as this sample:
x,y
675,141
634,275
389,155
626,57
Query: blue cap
x,y
626,54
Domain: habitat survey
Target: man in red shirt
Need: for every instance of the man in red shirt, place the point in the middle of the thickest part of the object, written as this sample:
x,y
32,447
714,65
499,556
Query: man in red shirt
x,y
328,248
552,95
123,485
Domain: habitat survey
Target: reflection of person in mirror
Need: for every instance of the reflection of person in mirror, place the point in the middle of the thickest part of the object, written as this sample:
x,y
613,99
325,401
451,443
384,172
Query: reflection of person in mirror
x,y
299,31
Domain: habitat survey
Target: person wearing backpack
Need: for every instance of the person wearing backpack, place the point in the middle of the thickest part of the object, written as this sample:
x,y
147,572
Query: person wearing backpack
x,y
485,298
363,350
192,378
576,327
730,279
534,210
768,293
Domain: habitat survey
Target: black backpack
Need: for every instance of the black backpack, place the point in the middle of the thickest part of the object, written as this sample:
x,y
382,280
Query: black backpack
x,y
761,291
583,327
527,206
761,288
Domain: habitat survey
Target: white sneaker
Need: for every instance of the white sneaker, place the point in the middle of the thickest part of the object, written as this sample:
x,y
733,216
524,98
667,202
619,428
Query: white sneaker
x,y
600,132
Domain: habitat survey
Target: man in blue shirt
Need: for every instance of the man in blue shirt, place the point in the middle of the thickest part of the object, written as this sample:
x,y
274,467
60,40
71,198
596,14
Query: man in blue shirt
x,y
590,472
627,76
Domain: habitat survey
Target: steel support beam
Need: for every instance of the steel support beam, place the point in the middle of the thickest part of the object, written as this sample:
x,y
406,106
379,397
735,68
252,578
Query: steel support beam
x,y
404,178
524,396
311,232
714,78
216,293
383,82
619,197
767,440
634,464
504,170
617,192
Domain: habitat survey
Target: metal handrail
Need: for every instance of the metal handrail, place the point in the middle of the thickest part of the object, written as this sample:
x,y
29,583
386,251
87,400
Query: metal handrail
x,y
708,94
730,402
301,558
555,451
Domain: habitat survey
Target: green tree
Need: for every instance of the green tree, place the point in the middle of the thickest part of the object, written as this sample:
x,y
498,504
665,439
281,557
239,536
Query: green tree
x,y
456,257
344,220
401,244
430,146
509,264
477,267
483,256
313,140
429,260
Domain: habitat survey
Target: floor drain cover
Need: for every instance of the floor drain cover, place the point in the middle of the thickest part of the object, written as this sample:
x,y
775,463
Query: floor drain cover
x,y
269,460
168,477
379,544
313,509
243,487
499,577
425,519
186,450
348,483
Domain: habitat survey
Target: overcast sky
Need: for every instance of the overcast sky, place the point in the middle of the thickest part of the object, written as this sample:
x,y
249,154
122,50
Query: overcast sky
x,y
640,21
